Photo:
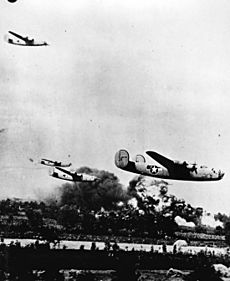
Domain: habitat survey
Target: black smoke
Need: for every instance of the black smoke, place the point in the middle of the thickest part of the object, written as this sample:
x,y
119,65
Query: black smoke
x,y
107,192
103,193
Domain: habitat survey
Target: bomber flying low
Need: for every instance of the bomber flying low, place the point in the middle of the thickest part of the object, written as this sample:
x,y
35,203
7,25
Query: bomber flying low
x,y
74,176
52,163
173,170
24,41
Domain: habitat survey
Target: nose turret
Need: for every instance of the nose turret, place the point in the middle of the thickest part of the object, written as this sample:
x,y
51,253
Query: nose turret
x,y
220,174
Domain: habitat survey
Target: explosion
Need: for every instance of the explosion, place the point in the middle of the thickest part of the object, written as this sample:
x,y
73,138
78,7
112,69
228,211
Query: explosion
x,y
144,195
106,192
209,220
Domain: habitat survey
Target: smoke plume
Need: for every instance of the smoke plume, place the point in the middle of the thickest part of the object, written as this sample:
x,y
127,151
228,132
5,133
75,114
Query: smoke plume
x,y
143,194
106,192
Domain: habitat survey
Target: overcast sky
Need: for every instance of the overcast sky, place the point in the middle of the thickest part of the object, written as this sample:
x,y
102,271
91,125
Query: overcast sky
x,y
139,75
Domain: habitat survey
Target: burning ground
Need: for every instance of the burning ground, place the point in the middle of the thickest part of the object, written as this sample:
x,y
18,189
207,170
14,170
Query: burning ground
x,y
145,202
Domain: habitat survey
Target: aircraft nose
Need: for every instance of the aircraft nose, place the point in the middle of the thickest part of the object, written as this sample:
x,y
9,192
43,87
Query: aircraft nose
x,y
221,174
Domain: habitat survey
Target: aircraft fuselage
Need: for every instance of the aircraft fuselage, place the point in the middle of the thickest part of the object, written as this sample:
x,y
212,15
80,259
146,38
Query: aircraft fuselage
x,y
31,44
71,176
179,172
54,163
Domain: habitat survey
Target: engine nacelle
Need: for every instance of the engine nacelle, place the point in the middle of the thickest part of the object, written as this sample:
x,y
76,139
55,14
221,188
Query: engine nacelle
x,y
122,158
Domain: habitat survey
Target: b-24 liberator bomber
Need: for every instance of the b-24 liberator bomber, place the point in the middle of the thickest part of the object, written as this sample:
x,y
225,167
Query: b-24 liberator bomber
x,y
24,41
172,170
63,174
52,163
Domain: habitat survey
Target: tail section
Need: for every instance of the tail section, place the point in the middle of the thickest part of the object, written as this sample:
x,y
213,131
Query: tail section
x,y
54,172
123,162
140,166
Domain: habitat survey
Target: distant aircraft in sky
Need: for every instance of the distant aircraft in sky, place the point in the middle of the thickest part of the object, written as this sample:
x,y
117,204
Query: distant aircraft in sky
x,y
52,163
67,175
173,170
24,41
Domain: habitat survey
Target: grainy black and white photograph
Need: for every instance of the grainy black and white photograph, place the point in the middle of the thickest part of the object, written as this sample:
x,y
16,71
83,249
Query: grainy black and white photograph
x,y
114,140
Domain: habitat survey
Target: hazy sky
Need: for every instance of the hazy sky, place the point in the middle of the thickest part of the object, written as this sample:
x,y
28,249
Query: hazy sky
x,y
118,74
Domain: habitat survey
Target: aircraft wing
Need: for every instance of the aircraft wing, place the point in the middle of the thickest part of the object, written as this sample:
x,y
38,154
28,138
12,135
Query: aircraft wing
x,y
18,36
65,171
167,163
51,161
